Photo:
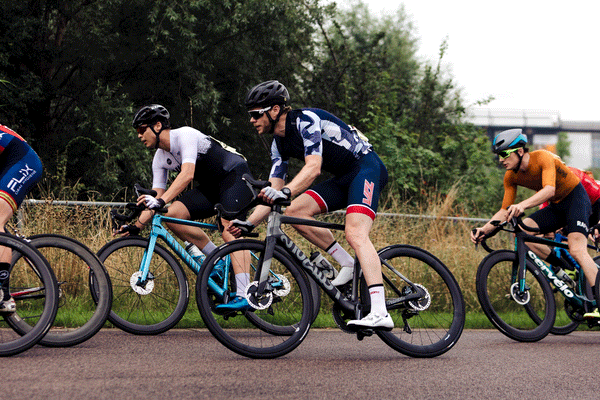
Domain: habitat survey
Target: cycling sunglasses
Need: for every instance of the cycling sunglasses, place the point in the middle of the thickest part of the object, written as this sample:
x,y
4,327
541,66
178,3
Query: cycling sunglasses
x,y
256,114
505,153
141,129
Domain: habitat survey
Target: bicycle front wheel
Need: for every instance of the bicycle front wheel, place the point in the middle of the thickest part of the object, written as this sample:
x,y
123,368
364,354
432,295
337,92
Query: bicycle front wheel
x,y
509,310
34,289
151,308
85,293
280,316
431,324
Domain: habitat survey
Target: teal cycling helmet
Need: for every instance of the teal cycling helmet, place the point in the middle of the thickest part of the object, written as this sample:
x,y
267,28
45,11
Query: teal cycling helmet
x,y
509,139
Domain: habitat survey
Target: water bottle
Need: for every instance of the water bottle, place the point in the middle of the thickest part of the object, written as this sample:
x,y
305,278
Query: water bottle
x,y
324,265
193,250
562,275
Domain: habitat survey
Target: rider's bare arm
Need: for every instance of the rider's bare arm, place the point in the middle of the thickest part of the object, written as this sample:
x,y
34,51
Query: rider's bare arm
x,y
183,179
307,175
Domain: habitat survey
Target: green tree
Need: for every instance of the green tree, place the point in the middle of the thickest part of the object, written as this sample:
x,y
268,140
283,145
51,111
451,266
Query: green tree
x,y
368,74
563,146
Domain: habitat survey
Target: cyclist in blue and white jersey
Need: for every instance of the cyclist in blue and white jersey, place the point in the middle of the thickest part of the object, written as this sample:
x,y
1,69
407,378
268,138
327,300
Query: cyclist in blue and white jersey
x,y
324,143
21,169
216,170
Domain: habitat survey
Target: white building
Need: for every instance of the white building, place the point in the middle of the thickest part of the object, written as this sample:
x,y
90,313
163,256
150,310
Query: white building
x,y
542,128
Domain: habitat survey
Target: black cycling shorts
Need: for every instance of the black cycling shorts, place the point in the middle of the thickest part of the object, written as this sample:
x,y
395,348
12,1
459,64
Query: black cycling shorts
x,y
572,213
231,192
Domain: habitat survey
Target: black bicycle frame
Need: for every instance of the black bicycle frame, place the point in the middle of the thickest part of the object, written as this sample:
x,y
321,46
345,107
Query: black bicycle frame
x,y
275,235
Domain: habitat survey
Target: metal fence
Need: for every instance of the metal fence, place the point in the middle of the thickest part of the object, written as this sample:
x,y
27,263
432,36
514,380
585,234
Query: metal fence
x,y
68,203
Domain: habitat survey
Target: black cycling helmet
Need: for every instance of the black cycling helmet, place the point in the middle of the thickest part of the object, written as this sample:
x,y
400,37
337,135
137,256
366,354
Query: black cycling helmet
x,y
150,114
267,94
510,139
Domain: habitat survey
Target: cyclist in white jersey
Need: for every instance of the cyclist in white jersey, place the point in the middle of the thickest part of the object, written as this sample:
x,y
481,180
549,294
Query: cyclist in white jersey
x,y
216,170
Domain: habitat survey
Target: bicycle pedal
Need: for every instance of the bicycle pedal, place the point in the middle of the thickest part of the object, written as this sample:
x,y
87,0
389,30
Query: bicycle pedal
x,y
362,333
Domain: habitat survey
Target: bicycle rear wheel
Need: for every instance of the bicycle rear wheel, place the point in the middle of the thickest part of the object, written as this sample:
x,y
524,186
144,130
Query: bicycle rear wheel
x,y
154,308
286,309
34,289
85,292
431,324
510,311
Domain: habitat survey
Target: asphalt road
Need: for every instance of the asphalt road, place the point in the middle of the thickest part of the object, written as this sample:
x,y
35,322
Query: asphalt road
x,y
190,364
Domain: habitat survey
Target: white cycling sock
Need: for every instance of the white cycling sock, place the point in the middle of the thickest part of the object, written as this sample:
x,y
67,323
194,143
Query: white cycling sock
x,y
378,299
340,255
209,248
241,283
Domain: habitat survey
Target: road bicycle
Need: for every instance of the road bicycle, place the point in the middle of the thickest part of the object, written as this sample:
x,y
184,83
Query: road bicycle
x,y
422,295
150,288
519,292
34,288
85,291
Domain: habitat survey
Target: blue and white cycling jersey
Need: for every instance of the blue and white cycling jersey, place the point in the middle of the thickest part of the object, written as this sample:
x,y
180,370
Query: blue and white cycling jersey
x,y
312,131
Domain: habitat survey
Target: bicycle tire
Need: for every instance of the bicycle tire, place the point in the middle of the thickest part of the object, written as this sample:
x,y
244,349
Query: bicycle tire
x,y
563,323
433,323
493,284
85,292
152,311
291,309
34,289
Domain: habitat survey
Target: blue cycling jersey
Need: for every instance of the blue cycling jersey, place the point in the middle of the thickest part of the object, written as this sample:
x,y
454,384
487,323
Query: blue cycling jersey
x,y
312,131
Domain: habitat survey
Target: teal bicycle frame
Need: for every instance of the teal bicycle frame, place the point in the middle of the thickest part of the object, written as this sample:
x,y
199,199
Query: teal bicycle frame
x,y
159,231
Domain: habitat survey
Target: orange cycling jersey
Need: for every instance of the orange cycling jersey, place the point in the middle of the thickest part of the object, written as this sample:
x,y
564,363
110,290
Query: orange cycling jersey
x,y
544,169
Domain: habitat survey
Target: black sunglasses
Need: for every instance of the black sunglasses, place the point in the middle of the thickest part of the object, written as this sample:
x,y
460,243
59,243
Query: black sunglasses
x,y
256,114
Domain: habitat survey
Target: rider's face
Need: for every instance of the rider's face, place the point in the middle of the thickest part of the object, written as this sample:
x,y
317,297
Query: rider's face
x,y
511,161
146,135
258,118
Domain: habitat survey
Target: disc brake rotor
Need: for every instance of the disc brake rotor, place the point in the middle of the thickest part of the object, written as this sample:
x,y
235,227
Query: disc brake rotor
x,y
422,303
282,286
143,290
521,298
258,302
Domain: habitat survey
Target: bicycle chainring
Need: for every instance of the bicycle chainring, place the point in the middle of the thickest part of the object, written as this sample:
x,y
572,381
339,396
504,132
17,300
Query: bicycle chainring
x,y
139,289
422,303
575,313
258,302
341,318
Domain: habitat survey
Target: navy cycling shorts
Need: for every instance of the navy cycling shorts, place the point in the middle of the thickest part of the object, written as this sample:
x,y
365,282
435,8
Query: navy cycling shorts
x,y
19,174
573,212
358,191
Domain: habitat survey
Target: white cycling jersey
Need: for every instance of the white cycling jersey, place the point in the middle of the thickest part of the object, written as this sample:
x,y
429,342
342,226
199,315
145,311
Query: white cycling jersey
x,y
189,145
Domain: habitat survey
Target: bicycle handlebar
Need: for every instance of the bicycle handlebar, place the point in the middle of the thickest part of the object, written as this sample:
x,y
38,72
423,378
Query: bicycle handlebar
x,y
134,209
518,226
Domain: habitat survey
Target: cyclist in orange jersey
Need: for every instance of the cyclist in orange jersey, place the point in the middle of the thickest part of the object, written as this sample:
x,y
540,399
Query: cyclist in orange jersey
x,y
552,181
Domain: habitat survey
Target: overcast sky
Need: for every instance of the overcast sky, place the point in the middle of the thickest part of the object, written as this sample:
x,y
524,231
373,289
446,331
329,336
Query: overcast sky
x,y
527,54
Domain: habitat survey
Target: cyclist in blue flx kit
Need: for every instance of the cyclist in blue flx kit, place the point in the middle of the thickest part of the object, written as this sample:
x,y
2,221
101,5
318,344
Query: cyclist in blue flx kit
x,y
216,170
323,142
21,170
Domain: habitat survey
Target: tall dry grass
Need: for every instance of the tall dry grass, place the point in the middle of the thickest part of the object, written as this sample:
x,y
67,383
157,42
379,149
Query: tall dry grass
x,y
447,239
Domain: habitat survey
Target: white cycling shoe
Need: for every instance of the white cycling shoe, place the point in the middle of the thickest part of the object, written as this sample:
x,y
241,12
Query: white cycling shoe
x,y
374,321
8,306
344,276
